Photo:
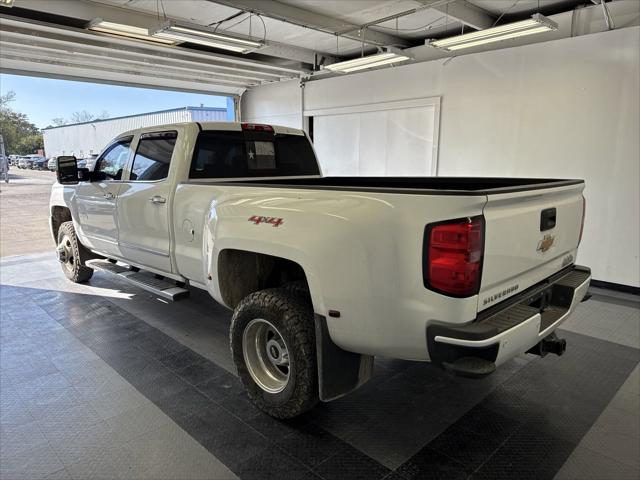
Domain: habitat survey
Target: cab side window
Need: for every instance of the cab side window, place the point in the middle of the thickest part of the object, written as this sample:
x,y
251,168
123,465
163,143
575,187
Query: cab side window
x,y
153,156
112,162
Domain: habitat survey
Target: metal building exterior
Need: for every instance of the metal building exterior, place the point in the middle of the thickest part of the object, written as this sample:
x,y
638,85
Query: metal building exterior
x,y
83,139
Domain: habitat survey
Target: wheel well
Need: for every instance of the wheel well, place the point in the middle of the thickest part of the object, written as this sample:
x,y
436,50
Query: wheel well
x,y
241,273
59,215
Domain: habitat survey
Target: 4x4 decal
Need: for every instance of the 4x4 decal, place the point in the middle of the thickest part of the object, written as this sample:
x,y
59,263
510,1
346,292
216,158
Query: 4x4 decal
x,y
257,219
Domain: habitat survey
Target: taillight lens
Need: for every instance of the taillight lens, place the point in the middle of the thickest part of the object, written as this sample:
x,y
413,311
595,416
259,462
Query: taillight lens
x,y
584,210
453,256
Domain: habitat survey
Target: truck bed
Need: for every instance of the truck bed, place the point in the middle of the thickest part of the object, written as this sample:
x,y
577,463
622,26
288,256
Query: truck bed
x,y
521,248
414,185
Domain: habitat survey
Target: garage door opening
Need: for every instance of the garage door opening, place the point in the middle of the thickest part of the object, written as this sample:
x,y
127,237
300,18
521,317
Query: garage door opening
x,y
43,118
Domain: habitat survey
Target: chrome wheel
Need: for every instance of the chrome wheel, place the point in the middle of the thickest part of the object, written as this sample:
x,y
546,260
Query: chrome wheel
x,y
65,253
266,355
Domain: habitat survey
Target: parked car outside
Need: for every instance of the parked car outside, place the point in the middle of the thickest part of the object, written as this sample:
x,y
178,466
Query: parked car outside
x,y
39,163
25,162
52,164
13,159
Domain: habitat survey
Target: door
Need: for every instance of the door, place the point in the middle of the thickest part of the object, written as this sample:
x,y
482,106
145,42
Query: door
x,y
96,200
144,203
378,139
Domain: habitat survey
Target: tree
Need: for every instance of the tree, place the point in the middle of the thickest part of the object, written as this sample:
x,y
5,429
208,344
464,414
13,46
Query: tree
x,y
79,117
7,98
83,116
30,143
21,137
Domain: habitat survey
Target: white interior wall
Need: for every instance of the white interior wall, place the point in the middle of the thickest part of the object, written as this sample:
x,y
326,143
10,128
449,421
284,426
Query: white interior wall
x,y
567,108
276,103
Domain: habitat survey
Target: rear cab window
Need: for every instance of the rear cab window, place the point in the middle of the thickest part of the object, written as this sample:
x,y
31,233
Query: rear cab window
x,y
250,154
153,156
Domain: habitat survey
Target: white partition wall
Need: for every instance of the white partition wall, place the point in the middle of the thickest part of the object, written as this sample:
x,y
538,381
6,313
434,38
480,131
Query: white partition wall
x,y
384,139
567,108
274,103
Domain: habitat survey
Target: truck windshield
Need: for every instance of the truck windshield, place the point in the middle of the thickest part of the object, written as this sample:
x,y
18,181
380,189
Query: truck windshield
x,y
225,154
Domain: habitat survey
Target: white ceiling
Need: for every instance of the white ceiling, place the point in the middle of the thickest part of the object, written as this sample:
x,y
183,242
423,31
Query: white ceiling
x,y
50,37
424,24
498,7
203,12
361,11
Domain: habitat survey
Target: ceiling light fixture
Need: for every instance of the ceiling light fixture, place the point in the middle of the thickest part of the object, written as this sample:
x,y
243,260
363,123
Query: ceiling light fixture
x,y
202,36
386,57
6,3
99,25
536,24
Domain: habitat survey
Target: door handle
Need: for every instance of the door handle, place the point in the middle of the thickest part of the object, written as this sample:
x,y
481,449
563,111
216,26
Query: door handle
x,y
109,196
547,219
157,199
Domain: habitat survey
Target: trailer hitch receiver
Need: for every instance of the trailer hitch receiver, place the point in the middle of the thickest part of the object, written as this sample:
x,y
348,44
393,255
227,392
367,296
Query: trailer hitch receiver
x,y
550,344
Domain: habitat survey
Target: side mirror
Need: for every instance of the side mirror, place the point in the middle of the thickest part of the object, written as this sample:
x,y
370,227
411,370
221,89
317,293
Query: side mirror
x,y
67,171
84,175
96,176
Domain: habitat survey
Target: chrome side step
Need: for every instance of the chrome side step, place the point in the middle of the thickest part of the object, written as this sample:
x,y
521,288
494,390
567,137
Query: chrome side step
x,y
163,288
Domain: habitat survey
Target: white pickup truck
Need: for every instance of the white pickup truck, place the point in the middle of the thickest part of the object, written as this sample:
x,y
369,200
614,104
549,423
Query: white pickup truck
x,y
325,273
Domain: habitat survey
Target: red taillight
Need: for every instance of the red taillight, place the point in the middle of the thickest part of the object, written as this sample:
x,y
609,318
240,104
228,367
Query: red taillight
x,y
257,127
453,256
584,210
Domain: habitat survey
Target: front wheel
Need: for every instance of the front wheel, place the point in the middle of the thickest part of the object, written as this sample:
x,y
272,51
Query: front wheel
x,y
72,254
273,347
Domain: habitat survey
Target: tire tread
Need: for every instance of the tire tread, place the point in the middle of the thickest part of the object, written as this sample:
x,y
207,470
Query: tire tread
x,y
81,273
297,317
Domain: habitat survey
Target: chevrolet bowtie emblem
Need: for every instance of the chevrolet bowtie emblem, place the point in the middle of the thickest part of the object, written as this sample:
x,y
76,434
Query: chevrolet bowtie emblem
x,y
546,243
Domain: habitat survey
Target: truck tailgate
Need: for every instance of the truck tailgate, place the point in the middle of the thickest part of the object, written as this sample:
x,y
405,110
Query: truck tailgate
x,y
529,236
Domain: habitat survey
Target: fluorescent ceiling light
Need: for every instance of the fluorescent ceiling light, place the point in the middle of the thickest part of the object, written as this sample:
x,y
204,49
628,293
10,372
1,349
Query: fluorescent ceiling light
x,y
536,24
6,3
201,36
370,61
99,25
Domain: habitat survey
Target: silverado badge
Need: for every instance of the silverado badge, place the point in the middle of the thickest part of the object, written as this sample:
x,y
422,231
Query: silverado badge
x,y
546,243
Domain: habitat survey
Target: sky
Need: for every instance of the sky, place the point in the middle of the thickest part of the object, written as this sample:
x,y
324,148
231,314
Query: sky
x,y
43,99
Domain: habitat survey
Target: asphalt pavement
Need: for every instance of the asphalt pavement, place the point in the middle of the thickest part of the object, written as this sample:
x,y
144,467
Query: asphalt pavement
x,y
24,212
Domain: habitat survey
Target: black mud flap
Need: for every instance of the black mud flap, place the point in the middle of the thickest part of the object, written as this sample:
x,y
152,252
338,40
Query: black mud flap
x,y
339,371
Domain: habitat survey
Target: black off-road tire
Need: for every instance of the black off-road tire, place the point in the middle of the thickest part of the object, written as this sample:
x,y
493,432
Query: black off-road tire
x,y
77,272
292,316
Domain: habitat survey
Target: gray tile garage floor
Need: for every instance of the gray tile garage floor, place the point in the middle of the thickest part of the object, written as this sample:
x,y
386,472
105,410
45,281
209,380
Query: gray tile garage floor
x,y
105,381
